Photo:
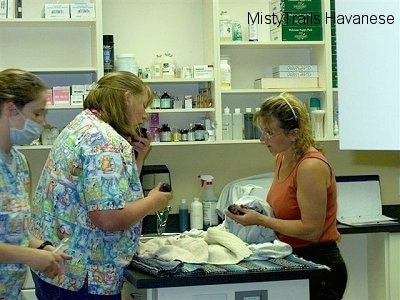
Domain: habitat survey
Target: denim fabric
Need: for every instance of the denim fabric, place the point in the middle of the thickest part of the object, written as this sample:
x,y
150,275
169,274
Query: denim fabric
x,y
47,291
332,284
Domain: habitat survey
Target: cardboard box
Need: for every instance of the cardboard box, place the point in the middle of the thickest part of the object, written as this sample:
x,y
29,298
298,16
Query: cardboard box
x,y
61,95
276,6
203,71
82,10
78,89
56,11
280,83
76,100
296,33
291,68
295,74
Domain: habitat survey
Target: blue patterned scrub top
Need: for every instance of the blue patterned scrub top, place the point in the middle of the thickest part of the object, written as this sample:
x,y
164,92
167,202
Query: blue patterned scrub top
x,y
90,167
14,219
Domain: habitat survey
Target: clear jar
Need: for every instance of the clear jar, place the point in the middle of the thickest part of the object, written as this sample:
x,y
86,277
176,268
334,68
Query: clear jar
x,y
127,62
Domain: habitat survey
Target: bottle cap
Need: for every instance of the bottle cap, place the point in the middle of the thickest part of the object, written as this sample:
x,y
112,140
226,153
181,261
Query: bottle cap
x,y
248,109
314,102
108,39
226,110
183,201
237,110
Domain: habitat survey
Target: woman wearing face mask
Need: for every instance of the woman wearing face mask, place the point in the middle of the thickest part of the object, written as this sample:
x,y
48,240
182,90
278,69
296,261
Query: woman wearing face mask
x,y
90,192
22,107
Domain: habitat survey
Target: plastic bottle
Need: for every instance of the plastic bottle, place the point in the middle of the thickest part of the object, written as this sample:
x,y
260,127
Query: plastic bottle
x,y
227,124
237,125
226,76
253,29
183,216
157,66
196,214
225,27
108,53
256,130
210,216
314,104
168,66
248,124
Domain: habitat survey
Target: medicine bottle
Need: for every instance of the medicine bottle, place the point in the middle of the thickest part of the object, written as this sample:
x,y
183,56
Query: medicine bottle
x,y
227,124
237,122
108,53
165,100
168,66
157,66
196,214
226,76
253,28
183,216
165,133
248,124
225,27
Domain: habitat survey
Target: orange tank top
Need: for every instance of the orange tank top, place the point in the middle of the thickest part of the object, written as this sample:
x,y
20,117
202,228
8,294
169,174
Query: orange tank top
x,y
282,198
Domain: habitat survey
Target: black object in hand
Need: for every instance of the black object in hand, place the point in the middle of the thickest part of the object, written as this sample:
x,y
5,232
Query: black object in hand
x,y
234,209
165,187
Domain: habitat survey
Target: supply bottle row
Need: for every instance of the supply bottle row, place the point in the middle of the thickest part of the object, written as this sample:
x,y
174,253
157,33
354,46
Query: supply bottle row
x,y
203,209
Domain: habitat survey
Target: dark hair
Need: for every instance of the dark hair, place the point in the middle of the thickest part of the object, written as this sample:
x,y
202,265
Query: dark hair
x,y
108,98
20,87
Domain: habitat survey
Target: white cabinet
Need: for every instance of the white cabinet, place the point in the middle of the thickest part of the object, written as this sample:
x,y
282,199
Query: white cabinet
x,y
60,51
369,75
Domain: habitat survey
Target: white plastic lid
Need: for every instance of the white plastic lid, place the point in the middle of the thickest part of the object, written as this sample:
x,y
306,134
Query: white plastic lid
x,y
126,55
248,109
237,110
196,199
226,110
183,201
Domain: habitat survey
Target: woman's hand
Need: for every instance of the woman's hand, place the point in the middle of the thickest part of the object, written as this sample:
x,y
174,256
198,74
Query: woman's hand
x,y
246,216
49,263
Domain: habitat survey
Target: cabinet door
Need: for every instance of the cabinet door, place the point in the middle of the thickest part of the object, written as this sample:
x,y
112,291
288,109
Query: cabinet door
x,y
369,75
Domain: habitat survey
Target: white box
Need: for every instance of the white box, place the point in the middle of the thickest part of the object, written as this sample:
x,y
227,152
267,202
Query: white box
x,y
56,11
3,9
203,71
289,68
76,99
78,89
291,74
279,83
82,10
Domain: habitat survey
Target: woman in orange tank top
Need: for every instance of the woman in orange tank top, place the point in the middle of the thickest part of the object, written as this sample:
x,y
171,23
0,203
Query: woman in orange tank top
x,y
303,193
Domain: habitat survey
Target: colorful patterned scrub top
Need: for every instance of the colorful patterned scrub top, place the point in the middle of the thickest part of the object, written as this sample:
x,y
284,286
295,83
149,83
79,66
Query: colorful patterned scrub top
x,y
90,167
14,220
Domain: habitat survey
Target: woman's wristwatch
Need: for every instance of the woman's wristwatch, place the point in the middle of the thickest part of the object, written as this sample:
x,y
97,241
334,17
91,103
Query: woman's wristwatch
x,y
44,244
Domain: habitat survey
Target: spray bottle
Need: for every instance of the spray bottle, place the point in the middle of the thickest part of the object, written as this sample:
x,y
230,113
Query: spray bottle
x,y
210,216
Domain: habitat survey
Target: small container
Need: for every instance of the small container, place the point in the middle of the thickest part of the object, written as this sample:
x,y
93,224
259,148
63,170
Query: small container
x,y
166,101
108,53
225,70
248,124
184,135
236,31
199,132
127,62
183,216
165,133
191,133
196,214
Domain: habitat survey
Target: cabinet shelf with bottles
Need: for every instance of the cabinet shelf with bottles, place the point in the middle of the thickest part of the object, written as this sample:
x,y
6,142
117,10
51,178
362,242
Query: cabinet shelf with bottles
x,y
251,60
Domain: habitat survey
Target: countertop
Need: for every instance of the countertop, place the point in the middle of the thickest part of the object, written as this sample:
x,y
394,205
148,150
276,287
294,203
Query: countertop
x,y
144,281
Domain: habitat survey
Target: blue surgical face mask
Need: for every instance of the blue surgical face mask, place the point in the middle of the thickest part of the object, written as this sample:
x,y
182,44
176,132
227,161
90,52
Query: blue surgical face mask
x,y
29,133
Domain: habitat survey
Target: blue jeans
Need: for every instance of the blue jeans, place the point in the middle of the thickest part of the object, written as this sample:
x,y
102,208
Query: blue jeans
x,y
47,291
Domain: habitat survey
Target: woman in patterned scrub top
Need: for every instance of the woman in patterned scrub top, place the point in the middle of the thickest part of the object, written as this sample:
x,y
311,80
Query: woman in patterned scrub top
x,y
303,193
22,109
89,191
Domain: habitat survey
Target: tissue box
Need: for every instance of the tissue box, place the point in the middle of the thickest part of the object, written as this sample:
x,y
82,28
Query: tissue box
x,y
56,11
280,83
82,10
